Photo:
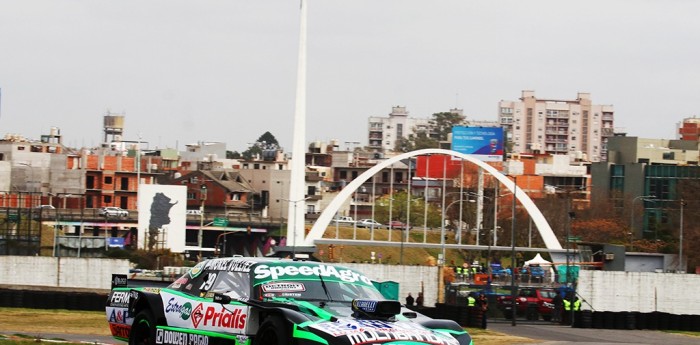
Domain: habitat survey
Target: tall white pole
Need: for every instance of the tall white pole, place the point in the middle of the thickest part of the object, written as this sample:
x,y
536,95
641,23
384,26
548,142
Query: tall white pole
x,y
296,187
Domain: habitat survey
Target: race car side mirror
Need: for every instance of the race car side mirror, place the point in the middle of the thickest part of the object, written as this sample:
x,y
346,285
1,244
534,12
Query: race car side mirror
x,y
221,298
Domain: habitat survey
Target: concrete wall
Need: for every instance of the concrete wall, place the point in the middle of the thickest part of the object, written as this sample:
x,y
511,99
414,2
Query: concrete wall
x,y
61,272
409,278
639,291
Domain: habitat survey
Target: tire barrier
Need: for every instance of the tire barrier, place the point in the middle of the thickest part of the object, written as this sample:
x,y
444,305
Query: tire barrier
x,y
463,315
52,300
586,317
638,321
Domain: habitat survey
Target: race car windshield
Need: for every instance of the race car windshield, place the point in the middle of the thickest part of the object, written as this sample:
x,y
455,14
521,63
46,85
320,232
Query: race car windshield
x,y
313,290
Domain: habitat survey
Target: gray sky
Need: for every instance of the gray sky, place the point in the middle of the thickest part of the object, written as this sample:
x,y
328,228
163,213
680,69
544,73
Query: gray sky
x,y
205,70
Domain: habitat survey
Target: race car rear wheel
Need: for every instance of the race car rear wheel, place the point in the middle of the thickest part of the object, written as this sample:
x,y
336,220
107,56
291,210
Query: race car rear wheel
x,y
143,330
273,331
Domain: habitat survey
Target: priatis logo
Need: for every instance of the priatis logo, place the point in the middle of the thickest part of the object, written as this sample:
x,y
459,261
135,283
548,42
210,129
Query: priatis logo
x,y
224,318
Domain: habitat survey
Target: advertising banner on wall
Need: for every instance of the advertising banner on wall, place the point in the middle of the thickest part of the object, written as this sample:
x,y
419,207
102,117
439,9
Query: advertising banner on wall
x,y
484,143
162,217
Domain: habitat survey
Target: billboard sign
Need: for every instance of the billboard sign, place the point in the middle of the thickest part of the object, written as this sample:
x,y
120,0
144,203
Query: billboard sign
x,y
484,143
162,217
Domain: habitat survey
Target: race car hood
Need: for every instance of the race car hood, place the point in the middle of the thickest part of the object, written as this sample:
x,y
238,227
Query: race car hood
x,y
338,323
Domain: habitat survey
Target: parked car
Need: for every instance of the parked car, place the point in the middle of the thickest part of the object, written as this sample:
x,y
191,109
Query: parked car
x,y
531,301
344,220
45,207
113,212
266,301
396,224
193,212
369,223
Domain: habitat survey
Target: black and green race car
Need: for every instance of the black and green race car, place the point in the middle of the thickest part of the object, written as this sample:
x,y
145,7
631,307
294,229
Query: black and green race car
x,y
272,302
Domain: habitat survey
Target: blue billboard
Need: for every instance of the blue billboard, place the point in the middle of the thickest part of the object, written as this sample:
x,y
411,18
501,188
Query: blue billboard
x,y
485,143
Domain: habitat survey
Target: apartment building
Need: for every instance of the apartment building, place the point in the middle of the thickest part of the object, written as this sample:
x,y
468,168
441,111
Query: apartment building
x,y
383,132
575,127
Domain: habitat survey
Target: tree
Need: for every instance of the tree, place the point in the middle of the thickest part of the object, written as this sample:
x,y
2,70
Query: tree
x,y
440,127
416,142
233,154
265,142
442,123
398,210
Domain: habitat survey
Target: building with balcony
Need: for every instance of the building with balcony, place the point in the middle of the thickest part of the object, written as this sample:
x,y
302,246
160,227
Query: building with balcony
x,y
577,128
383,132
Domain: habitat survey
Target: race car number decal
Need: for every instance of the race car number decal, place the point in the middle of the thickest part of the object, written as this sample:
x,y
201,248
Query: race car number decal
x,y
283,287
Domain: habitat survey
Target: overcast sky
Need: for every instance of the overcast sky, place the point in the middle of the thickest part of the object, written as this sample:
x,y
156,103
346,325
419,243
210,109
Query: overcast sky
x,y
188,71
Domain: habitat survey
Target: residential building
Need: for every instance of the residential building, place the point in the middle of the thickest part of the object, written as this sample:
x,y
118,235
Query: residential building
x,y
576,127
383,132
652,172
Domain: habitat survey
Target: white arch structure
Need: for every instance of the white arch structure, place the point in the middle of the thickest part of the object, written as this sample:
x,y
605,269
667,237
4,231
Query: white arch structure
x,y
326,217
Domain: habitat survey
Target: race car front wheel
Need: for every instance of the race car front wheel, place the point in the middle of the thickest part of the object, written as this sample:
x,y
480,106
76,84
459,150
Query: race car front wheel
x,y
272,332
143,330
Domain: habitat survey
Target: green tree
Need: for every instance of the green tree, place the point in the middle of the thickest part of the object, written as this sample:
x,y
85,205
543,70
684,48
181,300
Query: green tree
x,y
398,210
441,124
267,141
416,142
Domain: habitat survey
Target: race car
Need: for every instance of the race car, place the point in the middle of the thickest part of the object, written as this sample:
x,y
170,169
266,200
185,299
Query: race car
x,y
272,302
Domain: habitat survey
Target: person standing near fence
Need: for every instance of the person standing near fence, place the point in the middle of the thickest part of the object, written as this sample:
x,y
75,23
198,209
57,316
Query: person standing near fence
x,y
409,300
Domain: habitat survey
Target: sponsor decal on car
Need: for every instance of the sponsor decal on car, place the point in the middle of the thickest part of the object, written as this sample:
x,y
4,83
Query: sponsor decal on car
x,y
120,299
119,330
118,315
371,331
287,271
184,310
283,287
229,318
164,336
365,305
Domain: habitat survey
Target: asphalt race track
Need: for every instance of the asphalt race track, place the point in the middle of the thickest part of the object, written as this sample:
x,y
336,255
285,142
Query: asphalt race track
x,y
548,334
551,334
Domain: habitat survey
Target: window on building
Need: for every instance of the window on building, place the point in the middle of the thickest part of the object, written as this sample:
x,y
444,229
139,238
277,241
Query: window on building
x,y
343,175
245,165
190,196
256,166
354,175
399,130
108,179
107,199
669,155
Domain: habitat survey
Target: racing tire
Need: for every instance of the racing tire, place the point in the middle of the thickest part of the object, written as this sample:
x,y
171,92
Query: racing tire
x,y
143,330
273,331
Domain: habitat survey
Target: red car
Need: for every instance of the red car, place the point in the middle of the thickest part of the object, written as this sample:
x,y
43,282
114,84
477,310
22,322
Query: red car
x,y
396,224
531,302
